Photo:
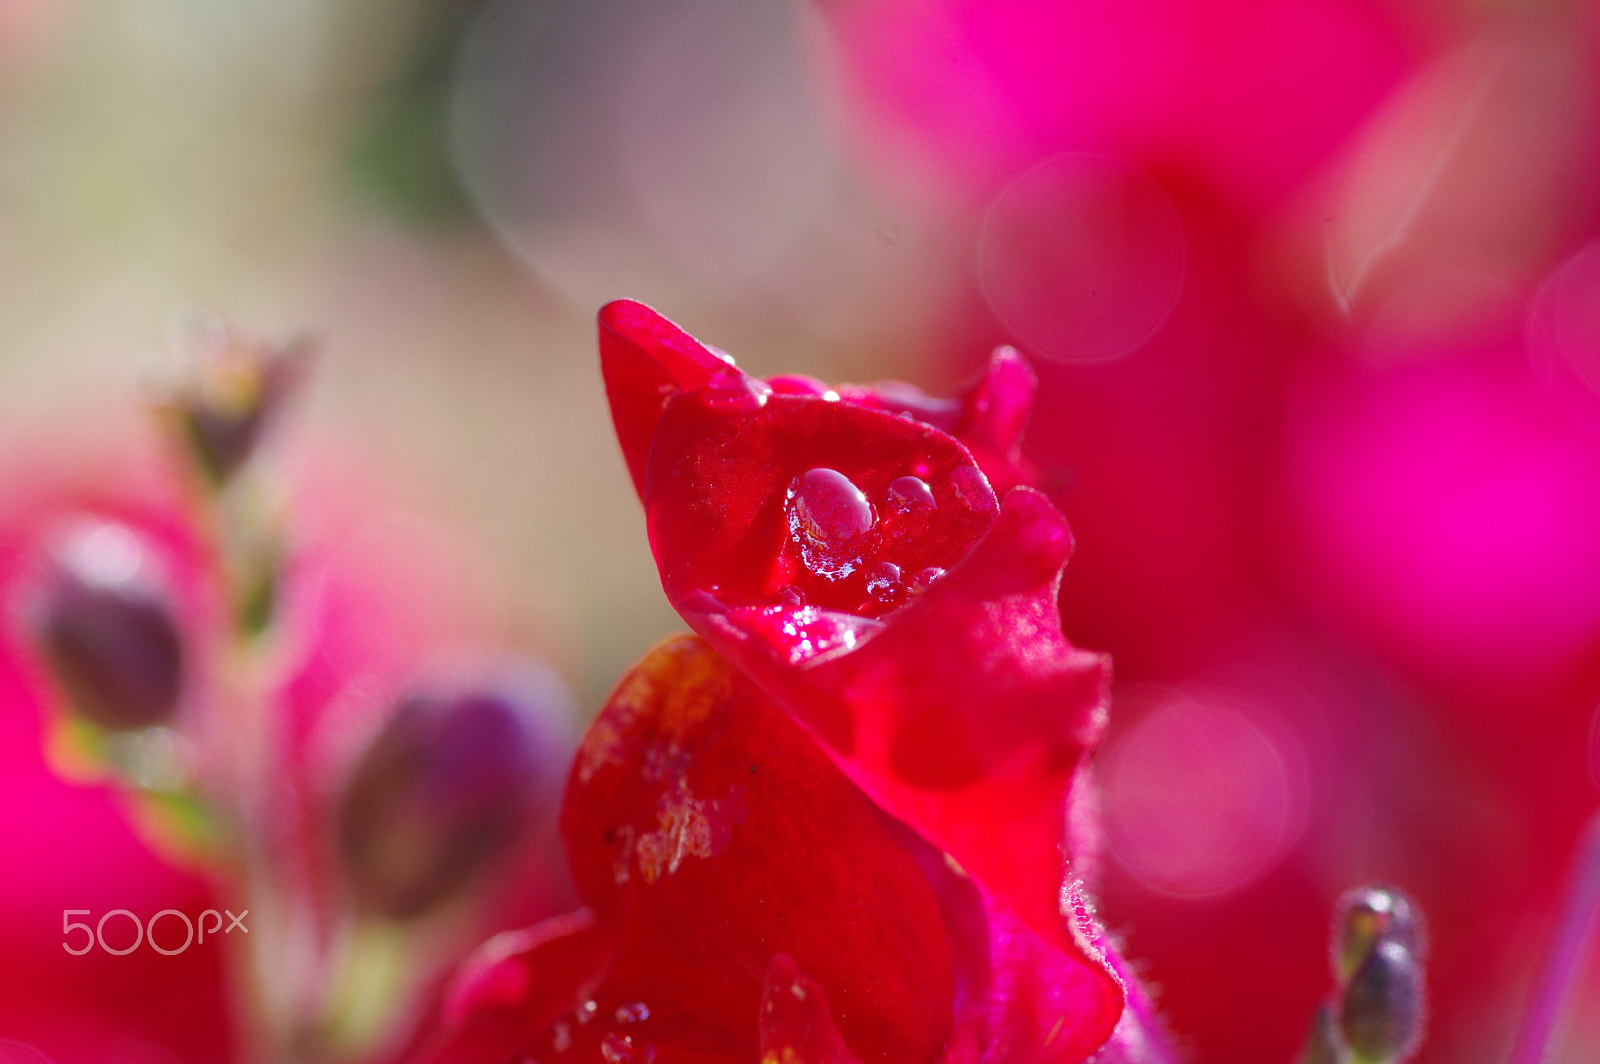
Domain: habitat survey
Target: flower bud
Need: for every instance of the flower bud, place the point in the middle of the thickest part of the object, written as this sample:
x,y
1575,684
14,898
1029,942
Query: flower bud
x,y
233,390
1381,1012
1369,915
452,781
108,630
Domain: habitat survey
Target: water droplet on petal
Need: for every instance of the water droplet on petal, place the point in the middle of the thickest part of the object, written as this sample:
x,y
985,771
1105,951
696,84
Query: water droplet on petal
x,y
883,581
831,521
911,495
561,1037
587,1010
791,596
621,1049
800,384
926,577
971,487
636,1012
731,391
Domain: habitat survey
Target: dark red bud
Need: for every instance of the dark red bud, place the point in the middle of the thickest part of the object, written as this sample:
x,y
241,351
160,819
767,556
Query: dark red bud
x,y
109,631
454,780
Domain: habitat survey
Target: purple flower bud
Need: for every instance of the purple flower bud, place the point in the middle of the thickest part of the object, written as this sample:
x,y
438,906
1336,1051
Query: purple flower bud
x,y
107,627
452,781
1381,1012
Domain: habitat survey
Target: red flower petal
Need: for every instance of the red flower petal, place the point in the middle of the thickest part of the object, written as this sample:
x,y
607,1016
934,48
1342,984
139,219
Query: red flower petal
x,y
646,360
727,861
714,832
967,715
988,419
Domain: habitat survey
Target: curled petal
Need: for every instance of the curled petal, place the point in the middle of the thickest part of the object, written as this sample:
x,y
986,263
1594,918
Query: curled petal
x,y
996,412
837,506
646,361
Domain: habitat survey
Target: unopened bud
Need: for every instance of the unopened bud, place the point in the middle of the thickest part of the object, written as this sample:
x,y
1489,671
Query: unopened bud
x,y
231,392
1381,1012
1369,915
452,781
108,629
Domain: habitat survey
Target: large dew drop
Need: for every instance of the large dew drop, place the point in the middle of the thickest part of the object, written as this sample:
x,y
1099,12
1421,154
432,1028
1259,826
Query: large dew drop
x,y
831,521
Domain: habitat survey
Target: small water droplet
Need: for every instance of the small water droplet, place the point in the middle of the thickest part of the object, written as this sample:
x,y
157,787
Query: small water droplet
x,y
831,521
911,495
636,1012
561,1037
587,1010
971,487
925,577
791,597
800,384
883,581
730,391
621,1049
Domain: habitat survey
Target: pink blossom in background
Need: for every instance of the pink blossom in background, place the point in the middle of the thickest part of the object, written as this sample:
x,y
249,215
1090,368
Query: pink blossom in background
x,y
1336,502
1253,96
71,844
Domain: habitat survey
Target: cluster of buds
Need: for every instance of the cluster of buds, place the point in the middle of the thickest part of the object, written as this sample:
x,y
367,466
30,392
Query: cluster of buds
x,y
1376,1012
381,836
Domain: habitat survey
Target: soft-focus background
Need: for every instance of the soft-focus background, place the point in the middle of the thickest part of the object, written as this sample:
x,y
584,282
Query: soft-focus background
x,y
1313,288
